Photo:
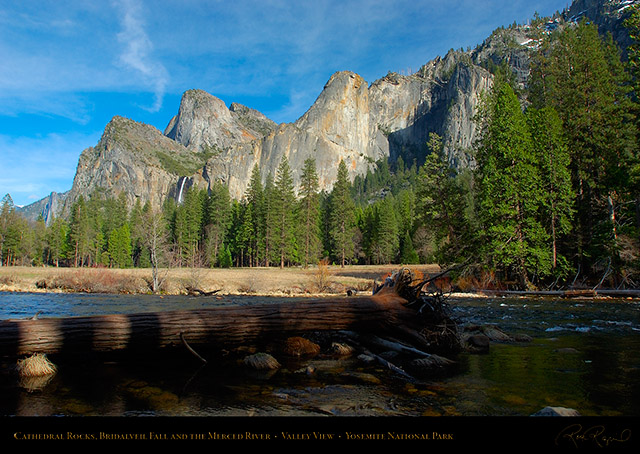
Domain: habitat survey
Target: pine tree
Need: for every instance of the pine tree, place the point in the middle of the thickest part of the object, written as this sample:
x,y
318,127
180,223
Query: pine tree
x,y
268,221
581,76
342,217
245,234
120,247
188,225
218,219
552,154
115,214
233,236
56,239
510,191
406,210
16,236
138,251
79,231
385,225
633,52
325,224
366,222
7,229
442,204
39,241
255,197
224,257
408,254
284,214
309,213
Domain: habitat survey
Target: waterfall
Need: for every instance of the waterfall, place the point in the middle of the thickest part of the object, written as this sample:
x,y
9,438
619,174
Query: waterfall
x,y
184,179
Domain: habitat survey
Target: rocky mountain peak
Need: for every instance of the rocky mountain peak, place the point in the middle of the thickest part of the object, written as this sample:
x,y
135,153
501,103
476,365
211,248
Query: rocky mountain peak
x,y
608,15
205,124
340,114
350,121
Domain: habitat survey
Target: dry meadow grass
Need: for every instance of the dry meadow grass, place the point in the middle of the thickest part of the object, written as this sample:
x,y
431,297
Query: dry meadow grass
x,y
295,281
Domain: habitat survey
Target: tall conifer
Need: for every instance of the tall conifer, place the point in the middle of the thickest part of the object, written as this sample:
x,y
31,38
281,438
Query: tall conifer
x,y
284,213
510,191
309,213
580,75
342,216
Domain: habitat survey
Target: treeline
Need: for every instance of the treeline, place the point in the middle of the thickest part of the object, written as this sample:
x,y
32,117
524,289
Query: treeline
x,y
553,198
271,226
558,182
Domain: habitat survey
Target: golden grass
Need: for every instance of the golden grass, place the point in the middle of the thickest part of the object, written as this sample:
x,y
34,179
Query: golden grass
x,y
293,281
35,365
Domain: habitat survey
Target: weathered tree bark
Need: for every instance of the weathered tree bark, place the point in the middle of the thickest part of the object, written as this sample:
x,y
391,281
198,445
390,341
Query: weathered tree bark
x,y
391,310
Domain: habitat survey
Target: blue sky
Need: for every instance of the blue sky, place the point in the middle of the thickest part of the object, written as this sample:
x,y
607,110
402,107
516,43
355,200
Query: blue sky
x,y
67,67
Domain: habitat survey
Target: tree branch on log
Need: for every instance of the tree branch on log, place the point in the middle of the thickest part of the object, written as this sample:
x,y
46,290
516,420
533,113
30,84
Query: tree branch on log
x,y
396,346
194,291
184,341
355,339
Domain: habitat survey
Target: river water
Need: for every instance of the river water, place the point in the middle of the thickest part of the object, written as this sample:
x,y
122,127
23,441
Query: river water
x,y
584,355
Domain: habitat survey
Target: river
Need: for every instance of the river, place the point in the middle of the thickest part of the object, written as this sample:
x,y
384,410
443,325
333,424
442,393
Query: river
x,y
584,355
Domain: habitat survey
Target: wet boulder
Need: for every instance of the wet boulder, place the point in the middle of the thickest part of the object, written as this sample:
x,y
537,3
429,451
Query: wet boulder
x,y
261,361
299,346
556,411
478,343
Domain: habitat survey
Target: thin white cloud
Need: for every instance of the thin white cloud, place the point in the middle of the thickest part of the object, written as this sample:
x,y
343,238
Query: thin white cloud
x,y
137,52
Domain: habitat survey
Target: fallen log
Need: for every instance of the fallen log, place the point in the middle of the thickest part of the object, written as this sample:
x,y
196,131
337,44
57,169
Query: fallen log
x,y
398,309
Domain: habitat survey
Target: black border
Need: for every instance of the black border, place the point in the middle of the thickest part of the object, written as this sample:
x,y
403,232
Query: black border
x,y
436,432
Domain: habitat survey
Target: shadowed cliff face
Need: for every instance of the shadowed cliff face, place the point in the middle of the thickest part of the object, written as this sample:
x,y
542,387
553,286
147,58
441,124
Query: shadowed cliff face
x,y
350,120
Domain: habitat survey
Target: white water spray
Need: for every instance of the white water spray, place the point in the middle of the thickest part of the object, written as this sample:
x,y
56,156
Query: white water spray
x,y
181,189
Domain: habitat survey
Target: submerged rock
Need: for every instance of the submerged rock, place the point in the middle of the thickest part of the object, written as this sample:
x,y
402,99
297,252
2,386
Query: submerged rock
x,y
342,349
495,334
362,377
299,346
261,361
477,343
522,338
477,338
557,411
431,362
366,359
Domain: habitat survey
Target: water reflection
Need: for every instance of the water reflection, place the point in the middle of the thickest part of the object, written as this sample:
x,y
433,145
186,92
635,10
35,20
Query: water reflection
x,y
584,356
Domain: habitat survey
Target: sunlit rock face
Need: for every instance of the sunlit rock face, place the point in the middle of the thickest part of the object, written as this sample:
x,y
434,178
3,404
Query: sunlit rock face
x,y
205,124
133,159
206,142
361,124
351,120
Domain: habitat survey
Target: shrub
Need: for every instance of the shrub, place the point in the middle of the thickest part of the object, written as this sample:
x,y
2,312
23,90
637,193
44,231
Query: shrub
x,y
322,276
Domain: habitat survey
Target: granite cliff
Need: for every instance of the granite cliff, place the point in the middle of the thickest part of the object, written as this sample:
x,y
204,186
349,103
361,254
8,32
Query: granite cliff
x,y
351,120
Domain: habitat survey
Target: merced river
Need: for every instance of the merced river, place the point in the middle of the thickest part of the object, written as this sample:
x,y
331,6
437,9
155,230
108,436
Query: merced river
x,y
584,355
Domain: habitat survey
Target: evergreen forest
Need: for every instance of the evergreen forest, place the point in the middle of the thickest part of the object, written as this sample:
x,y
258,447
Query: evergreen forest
x,y
552,200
